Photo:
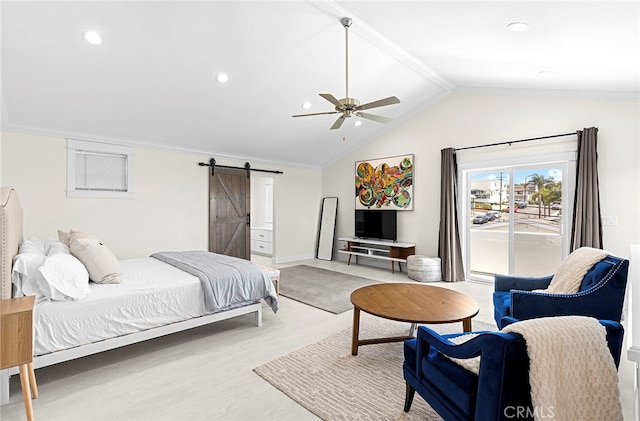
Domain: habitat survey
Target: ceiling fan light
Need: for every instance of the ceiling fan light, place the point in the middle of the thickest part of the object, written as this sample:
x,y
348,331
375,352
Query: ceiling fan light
x,y
306,105
92,37
518,27
358,123
222,78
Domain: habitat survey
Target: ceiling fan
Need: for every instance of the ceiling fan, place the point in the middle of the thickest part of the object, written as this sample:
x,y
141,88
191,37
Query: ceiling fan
x,y
351,106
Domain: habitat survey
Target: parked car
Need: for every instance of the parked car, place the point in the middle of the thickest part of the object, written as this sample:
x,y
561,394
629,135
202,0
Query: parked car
x,y
492,215
521,204
480,219
555,206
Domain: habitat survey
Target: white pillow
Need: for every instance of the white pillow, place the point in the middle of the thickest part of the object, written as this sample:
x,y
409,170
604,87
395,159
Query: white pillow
x,y
53,246
102,265
26,277
65,277
31,245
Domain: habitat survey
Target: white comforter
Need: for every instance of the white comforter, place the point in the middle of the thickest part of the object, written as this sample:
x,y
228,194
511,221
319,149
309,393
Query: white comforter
x,y
151,294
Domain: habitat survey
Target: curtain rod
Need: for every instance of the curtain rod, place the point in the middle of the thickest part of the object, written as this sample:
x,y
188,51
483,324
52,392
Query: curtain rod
x,y
247,167
515,141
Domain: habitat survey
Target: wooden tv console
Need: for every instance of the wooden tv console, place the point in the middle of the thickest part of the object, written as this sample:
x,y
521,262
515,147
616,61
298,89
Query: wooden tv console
x,y
394,251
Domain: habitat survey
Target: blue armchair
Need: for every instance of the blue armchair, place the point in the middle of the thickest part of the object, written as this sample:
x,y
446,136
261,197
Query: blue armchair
x,y
601,295
501,385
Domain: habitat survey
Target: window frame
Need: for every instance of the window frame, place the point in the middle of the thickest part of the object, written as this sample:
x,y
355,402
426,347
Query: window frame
x,y
567,159
75,146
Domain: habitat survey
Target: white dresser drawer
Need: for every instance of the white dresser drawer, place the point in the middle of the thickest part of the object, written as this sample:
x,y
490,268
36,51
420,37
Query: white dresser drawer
x,y
261,235
258,246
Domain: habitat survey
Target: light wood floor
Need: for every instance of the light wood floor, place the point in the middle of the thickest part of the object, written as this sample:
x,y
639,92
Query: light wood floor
x,y
206,373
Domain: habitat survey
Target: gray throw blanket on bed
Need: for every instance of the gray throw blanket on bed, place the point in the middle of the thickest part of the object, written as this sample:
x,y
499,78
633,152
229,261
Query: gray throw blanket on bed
x,y
227,281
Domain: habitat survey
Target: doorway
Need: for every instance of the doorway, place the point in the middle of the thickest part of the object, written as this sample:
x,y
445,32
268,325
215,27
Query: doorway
x,y
262,215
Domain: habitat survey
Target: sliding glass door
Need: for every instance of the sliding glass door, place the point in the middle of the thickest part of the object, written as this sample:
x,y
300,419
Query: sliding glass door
x,y
515,220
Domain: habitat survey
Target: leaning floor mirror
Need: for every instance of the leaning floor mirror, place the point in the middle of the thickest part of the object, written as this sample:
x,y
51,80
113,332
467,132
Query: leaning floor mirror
x,y
327,228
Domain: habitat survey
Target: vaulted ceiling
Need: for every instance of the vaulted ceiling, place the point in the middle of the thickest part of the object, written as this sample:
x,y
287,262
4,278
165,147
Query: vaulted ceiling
x,y
152,80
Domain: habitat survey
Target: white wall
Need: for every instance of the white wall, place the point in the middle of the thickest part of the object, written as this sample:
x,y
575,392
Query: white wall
x,y
170,207
465,119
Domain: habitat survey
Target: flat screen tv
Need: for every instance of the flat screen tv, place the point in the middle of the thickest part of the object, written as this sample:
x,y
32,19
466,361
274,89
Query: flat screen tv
x,y
376,224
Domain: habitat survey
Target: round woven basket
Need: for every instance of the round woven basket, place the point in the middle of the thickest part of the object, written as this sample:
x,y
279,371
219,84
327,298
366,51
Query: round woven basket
x,y
424,268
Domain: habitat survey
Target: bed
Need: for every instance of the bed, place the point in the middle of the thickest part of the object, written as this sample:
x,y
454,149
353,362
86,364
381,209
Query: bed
x,y
155,296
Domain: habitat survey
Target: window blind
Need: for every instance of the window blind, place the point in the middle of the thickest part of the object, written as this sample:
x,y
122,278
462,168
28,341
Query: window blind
x,y
101,171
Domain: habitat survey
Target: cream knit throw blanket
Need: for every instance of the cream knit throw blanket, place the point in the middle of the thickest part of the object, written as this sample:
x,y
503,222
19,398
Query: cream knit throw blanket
x,y
572,373
569,275
471,364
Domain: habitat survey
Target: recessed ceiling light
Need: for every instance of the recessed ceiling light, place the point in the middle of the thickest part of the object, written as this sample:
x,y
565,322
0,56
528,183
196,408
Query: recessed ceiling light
x,y
92,37
358,123
222,78
306,105
545,74
518,27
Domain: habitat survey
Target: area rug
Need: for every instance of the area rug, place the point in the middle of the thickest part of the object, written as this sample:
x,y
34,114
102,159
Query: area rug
x,y
334,385
321,288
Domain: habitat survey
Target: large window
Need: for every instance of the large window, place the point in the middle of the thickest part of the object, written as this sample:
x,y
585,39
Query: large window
x,y
98,169
515,218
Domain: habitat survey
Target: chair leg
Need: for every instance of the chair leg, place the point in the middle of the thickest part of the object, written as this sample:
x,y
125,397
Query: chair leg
x,y
408,398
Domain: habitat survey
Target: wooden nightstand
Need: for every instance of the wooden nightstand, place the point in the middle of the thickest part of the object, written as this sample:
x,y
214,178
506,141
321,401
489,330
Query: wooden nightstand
x,y
16,344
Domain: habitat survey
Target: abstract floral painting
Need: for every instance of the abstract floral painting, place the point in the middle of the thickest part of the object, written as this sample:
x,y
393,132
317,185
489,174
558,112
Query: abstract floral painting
x,y
385,183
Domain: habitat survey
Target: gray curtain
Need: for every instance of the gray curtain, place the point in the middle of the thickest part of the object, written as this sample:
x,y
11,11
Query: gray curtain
x,y
586,229
449,249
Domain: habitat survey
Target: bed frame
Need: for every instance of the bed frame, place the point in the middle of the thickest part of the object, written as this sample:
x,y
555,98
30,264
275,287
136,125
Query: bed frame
x,y
12,235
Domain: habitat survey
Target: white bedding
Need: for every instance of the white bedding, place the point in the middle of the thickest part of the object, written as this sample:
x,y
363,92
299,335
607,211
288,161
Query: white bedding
x,y
152,293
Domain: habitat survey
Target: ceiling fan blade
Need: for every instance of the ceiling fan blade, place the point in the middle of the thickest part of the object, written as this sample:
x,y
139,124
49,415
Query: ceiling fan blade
x,y
379,103
307,115
332,99
338,122
374,117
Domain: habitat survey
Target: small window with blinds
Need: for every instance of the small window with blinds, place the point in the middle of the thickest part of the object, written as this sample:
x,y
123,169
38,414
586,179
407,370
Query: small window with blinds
x,y
98,169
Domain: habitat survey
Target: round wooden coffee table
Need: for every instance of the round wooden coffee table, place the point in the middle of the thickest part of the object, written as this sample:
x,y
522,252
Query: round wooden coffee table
x,y
412,303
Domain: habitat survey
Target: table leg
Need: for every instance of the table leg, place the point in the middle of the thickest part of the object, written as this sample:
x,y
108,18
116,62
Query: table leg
x,y
26,391
466,325
32,381
356,331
